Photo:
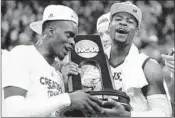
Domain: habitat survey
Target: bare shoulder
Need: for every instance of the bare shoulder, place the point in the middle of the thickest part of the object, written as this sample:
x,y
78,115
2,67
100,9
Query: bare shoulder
x,y
153,71
154,76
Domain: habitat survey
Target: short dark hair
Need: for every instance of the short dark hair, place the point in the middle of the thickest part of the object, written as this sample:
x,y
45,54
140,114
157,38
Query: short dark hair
x,y
46,24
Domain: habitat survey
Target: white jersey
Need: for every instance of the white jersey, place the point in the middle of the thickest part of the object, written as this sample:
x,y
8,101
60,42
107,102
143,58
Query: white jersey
x,y
129,77
33,73
5,58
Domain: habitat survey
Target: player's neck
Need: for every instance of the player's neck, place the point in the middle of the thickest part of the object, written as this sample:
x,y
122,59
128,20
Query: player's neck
x,y
44,51
118,54
118,51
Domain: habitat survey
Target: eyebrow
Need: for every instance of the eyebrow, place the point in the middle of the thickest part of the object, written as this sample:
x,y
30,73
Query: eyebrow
x,y
118,15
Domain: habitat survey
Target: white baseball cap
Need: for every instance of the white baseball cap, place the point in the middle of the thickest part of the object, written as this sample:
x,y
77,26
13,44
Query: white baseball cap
x,y
103,22
54,12
126,7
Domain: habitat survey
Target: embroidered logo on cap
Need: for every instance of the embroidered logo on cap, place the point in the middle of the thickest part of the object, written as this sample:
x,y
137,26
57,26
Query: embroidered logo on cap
x,y
51,15
134,10
72,16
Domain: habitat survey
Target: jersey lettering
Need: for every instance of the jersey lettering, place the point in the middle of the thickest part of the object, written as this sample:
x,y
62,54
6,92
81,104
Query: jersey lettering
x,y
117,76
53,87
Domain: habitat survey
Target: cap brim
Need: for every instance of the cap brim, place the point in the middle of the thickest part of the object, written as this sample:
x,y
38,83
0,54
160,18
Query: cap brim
x,y
37,26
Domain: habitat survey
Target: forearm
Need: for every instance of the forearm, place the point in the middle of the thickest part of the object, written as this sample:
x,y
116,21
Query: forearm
x,y
172,104
171,89
36,107
151,113
159,106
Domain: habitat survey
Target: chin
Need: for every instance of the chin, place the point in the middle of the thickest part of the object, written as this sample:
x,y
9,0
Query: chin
x,y
61,57
121,43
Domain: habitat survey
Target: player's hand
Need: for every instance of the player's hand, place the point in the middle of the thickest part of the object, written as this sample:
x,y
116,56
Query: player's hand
x,y
169,61
68,69
115,109
85,102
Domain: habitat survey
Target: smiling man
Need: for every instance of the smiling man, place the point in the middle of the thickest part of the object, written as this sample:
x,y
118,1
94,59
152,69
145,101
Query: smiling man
x,y
134,73
32,87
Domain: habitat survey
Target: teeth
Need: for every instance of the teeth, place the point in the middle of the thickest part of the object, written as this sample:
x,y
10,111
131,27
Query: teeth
x,y
122,31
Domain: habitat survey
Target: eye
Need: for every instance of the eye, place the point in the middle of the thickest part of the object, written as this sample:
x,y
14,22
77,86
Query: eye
x,y
117,19
131,22
101,34
70,34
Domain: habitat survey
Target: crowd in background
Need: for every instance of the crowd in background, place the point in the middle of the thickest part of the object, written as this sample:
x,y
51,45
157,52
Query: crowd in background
x,y
156,35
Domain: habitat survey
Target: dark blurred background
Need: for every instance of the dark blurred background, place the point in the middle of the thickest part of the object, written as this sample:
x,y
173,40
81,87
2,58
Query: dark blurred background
x,y
156,35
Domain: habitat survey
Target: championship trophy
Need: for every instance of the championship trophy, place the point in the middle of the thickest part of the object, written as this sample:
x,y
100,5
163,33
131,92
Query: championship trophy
x,y
95,74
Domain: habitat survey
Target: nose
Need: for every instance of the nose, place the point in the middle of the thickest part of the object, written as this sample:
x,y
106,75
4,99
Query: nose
x,y
123,23
72,42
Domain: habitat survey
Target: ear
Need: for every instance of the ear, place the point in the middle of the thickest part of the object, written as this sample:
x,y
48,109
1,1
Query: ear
x,y
137,32
49,31
109,26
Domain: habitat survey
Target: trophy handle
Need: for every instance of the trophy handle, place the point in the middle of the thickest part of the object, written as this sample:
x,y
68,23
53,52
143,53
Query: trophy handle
x,y
70,84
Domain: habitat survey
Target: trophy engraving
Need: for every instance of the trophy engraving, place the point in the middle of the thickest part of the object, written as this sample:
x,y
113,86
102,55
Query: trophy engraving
x,y
91,76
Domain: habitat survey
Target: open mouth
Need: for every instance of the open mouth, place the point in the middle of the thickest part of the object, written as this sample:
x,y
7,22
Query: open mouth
x,y
67,48
122,31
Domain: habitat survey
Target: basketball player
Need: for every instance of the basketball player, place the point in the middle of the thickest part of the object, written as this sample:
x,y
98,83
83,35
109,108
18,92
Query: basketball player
x,y
32,87
103,30
136,74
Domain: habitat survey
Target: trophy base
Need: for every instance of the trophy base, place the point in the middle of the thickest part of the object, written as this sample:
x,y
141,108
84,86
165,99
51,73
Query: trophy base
x,y
116,95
